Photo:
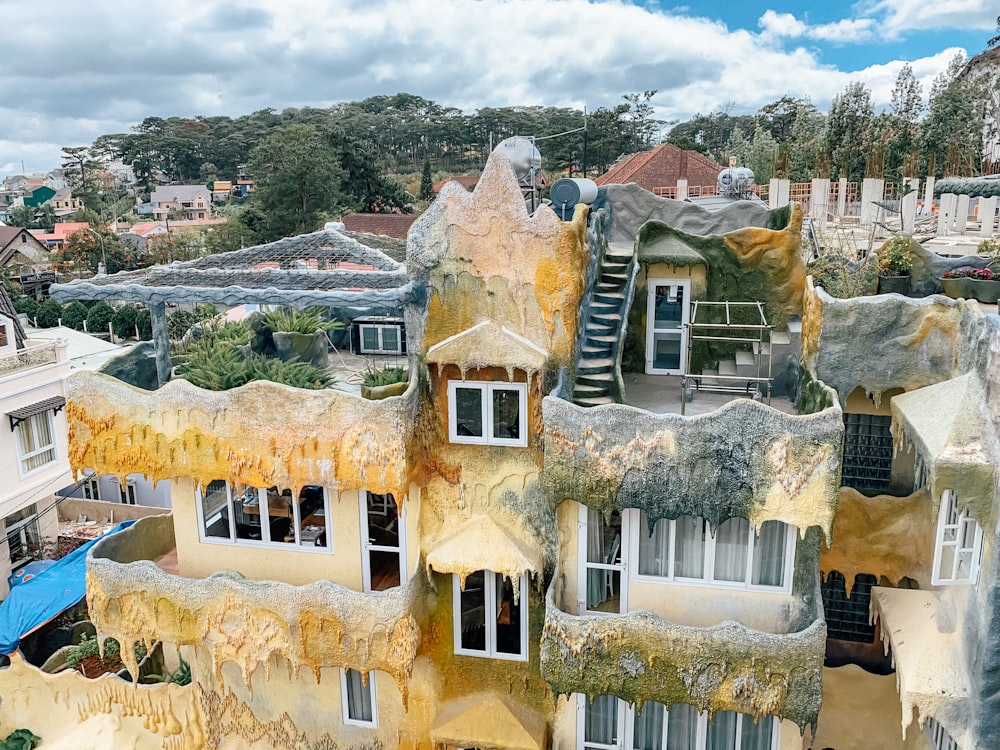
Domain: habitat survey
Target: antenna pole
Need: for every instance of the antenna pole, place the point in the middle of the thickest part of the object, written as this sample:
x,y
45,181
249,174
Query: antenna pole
x,y
585,141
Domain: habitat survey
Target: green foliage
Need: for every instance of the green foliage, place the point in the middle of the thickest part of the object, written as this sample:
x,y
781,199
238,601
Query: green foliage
x,y
376,376
13,290
220,367
99,317
850,115
426,182
843,278
88,647
144,322
895,257
123,321
991,249
205,311
74,315
27,306
20,739
180,676
178,323
294,320
49,314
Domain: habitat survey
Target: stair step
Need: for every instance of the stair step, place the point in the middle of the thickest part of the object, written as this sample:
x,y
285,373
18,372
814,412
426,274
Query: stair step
x,y
780,338
610,298
606,317
708,377
604,286
599,380
599,339
591,351
745,358
594,401
590,391
727,367
795,326
595,365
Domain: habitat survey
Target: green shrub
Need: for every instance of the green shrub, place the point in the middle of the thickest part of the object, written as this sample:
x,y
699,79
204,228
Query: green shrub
x,y
27,306
74,315
205,311
373,377
144,322
292,320
178,323
123,322
220,367
88,647
49,314
20,739
99,317
843,278
230,331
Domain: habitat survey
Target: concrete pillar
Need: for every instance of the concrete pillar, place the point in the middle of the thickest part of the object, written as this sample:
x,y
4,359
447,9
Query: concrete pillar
x,y
772,193
908,204
682,189
841,197
929,195
946,213
872,191
161,340
962,213
778,192
819,202
987,215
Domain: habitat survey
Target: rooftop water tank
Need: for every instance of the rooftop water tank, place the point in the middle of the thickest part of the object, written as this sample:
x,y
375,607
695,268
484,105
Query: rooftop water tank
x,y
522,155
569,191
736,182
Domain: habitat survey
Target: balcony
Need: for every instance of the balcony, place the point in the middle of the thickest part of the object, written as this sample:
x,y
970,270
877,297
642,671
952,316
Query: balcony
x,y
319,625
34,354
744,459
641,657
261,434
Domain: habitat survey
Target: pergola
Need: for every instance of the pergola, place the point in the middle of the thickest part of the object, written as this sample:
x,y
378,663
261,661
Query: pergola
x,y
325,268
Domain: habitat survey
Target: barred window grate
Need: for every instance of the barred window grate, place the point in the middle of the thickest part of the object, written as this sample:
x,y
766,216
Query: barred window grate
x,y
867,461
847,617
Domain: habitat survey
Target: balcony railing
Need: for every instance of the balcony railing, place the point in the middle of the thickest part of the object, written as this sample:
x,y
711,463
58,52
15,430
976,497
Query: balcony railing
x,y
31,356
314,626
641,657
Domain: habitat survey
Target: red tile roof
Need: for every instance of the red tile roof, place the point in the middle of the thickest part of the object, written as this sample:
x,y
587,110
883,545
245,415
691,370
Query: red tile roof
x,y
662,167
468,181
387,225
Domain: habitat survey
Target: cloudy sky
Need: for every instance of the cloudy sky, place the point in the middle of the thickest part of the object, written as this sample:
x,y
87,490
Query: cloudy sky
x,y
74,70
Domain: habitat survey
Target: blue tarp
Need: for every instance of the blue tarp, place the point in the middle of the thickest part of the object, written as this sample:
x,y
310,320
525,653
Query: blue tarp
x,y
53,590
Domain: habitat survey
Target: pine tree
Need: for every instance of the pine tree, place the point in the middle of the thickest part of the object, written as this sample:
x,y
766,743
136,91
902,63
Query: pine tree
x,y
426,182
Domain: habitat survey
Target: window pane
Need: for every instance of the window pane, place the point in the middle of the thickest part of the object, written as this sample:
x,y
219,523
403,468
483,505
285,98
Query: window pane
x,y
469,412
359,696
390,339
731,539
279,516
384,569
506,413
508,616
215,509
312,517
769,554
369,338
601,720
247,511
654,551
383,521
722,731
689,549
756,736
647,733
682,727
473,613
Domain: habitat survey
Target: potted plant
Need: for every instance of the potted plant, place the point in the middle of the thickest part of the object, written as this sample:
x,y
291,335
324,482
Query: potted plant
x,y
300,334
895,261
982,284
379,383
957,284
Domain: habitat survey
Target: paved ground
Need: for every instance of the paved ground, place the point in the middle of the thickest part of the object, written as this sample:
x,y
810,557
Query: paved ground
x,y
661,394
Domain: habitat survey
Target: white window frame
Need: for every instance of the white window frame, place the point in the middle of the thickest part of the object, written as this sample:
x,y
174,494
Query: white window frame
x,y
264,541
622,567
345,703
36,450
626,727
488,389
938,736
958,525
489,595
6,334
638,526
379,329
91,486
368,546
20,530
126,492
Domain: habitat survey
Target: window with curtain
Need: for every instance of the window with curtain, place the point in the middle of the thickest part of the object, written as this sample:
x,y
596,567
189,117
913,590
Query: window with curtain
x,y
609,723
358,698
687,550
36,442
604,560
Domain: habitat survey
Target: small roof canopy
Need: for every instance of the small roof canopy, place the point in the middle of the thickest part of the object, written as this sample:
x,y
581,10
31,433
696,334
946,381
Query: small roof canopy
x,y
487,344
944,422
488,721
483,544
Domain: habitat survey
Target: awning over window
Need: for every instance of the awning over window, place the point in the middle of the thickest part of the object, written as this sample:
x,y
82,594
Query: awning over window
x,y
944,423
482,544
55,403
928,653
490,722
488,345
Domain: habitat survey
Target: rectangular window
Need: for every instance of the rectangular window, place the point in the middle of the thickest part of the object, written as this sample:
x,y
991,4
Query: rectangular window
x,y
36,442
232,515
383,542
958,546
358,698
3,335
380,339
937,736
488,413
23,537
868,450
609,723
126,492
686,551
604,569
489,619
92,486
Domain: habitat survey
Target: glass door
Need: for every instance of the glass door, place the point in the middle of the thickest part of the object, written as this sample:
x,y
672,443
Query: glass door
x,y
383,535
666,336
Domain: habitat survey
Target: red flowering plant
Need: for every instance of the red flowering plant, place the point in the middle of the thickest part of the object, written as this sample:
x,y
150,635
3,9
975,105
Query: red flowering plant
x,y
982,274
965,272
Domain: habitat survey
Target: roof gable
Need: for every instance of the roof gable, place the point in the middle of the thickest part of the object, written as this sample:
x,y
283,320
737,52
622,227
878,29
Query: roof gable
x,y
662,167
489,345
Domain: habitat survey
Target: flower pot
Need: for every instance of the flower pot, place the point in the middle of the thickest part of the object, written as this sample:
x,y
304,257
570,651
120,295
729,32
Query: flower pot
x,y
307,347
986,290
894,284
958,288
378,392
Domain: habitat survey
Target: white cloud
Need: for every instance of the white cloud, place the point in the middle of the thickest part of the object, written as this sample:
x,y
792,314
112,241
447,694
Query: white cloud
x,y
906,15
87,69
